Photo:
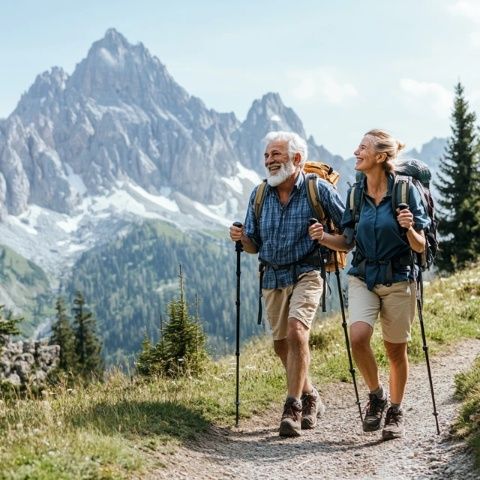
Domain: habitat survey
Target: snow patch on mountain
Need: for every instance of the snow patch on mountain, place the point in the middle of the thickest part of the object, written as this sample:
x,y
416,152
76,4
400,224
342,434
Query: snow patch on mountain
x,y
236,183
54,240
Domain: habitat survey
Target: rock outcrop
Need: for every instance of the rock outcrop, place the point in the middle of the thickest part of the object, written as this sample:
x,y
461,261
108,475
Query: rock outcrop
x,y
26,364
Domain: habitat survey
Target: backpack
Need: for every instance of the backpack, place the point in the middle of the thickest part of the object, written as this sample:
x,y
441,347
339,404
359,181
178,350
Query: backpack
x,y
408,171
314,170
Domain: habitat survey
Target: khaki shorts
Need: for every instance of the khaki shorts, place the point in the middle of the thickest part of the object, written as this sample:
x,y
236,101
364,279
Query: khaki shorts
x,y
395,304
298,301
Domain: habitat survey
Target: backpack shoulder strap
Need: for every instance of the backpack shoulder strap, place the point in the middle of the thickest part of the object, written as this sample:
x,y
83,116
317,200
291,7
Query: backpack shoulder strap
x,y
355,202
259,199
313,198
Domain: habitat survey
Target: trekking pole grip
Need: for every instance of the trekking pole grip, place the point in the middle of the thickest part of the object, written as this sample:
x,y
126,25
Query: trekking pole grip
x,y
238,243
403,206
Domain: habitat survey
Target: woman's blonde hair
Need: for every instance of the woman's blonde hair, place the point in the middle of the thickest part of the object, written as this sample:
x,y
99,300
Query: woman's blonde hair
x,y
385,143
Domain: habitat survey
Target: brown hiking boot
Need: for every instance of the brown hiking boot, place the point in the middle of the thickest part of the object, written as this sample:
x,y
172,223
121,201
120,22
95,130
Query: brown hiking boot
x,y
394,424
373,413
290,426
312,408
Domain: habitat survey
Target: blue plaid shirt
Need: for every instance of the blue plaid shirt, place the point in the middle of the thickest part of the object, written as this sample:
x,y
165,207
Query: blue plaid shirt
x,y
281,234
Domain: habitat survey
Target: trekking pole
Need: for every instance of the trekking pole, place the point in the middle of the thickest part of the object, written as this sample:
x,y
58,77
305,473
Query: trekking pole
x,y
344,325
419,295
238,249
323,273
345,331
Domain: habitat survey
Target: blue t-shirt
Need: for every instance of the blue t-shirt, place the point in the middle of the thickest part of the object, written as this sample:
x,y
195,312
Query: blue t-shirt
x,y
379,237
281,234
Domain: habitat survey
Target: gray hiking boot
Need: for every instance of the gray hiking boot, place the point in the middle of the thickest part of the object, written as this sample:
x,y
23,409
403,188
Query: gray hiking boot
x,y
394,424
312,408
290,426
373,413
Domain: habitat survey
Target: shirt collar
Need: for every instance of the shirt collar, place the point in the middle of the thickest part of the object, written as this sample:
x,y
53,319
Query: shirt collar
x,y
300,179
390,183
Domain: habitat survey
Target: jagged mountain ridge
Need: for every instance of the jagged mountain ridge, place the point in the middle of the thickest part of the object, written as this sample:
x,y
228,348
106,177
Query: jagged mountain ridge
x,y
121,116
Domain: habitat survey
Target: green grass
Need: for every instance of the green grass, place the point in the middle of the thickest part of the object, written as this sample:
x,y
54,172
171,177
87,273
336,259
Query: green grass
x,y
467,425
123,426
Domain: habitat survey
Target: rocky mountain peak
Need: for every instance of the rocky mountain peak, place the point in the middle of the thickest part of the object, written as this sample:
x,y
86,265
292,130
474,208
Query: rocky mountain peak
x,y
113,39
46,87
266,114
117,72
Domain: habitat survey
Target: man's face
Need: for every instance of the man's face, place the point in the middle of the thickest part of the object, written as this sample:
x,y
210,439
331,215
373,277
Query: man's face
x,y
277,162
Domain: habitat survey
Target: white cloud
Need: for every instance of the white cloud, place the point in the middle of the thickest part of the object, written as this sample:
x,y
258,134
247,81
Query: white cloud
x,y
469,9
430,94
466,8
321,84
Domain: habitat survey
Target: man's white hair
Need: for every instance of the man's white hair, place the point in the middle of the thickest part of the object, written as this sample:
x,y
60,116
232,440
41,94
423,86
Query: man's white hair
x,y
296,144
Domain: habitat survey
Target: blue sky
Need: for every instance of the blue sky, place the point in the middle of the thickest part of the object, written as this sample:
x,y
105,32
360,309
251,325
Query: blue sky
x,y
344,66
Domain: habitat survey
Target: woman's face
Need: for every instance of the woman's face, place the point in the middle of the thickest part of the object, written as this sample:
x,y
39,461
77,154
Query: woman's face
x,y
366,155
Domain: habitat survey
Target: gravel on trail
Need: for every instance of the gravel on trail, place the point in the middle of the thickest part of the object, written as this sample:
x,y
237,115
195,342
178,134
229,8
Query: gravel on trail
x,y
338,448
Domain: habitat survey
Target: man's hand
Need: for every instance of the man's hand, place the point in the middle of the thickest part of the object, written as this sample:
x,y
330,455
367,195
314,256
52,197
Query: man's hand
x,y
236,233
316,231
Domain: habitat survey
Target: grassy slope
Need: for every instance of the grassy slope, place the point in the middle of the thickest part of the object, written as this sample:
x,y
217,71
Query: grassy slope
x,y
468,422
113,429
25,284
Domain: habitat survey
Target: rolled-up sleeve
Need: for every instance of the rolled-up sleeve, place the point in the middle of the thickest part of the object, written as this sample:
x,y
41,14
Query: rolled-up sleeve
x,y
420,217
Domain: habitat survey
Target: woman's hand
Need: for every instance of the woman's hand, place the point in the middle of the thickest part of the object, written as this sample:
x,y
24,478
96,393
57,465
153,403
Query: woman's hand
x,y
405,218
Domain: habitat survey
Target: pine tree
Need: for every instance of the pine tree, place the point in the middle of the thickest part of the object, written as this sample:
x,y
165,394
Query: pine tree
x,y
8,325
181,348
459,187
63,335
87,344
183,339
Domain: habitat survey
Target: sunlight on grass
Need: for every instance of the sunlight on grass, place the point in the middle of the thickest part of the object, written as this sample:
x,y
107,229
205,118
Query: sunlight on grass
x,y
109,430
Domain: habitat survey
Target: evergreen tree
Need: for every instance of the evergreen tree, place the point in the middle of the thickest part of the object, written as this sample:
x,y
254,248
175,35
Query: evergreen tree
x,y
181,348
459,187
8,325
87,344
63,335
151,359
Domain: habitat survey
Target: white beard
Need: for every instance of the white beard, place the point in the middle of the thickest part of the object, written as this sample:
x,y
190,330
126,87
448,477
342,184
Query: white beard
x,y
286,170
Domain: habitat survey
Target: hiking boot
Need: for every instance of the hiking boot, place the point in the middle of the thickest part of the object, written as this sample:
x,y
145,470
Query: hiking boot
x,y
373,413
312,408
394,424
290,425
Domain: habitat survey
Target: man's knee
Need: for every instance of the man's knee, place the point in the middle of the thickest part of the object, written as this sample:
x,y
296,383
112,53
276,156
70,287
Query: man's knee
x,y
297,332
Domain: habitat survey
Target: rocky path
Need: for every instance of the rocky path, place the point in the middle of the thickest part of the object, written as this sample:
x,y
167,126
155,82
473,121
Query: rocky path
x,y
338,448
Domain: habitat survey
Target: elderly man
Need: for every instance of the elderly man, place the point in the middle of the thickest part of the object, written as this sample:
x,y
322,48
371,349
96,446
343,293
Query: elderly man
x,y
292,284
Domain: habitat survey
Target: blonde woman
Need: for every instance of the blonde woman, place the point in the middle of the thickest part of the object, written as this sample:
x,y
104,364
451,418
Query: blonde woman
x,y
381,280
